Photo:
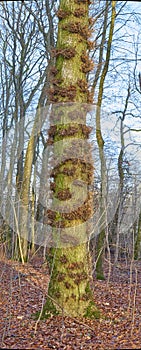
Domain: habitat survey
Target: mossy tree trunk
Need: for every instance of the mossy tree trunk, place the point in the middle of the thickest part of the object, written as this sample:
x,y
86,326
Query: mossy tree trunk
x,y
69,288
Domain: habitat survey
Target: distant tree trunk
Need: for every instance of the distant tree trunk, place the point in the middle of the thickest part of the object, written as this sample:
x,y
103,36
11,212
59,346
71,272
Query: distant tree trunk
x,y
100,141
69,288
120,208
137,249
25,185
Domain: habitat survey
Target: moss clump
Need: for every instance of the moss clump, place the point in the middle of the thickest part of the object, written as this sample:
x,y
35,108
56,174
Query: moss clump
x,y
49,258
92,312
100,276
88,290
49,310
59,64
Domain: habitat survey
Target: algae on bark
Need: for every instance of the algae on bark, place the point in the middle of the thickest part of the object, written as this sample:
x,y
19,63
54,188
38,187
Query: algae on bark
x,y
69,288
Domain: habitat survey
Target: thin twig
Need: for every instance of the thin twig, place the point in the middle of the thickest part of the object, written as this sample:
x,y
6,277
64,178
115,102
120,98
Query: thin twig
x,y
134,302
40,315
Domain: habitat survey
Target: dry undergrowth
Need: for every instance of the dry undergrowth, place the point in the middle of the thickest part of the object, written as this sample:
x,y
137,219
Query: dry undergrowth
x,y
24,289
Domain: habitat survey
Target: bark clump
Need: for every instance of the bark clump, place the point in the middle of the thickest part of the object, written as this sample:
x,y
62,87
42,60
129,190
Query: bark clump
x,y
78,28
69,130
56,82
63,194
83,85
69,172
83,2
83,213
90,45
66,92
63,259
80,12
89,97
88,64
61,14
60,276
53,71
87,170
66,53
53,186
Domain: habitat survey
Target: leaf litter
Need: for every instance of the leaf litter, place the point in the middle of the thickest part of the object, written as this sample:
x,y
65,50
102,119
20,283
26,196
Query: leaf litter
x,y
23,289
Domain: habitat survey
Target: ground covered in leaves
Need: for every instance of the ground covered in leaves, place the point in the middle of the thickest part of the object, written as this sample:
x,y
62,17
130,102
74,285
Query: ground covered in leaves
x,y
23,289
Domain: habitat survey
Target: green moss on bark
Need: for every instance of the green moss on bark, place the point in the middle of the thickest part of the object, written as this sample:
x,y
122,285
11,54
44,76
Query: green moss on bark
x,y
69,286
92,312
48,311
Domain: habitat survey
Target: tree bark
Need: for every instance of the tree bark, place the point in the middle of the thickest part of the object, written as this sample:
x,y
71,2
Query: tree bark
x,y
137,249
69,288
100,141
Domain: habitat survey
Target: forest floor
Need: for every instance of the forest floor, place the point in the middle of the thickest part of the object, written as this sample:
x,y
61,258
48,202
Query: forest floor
x,y
23,289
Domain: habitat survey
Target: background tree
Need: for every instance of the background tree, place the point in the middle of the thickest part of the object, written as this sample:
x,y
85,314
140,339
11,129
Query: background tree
x,y
25,53
100,141
120,67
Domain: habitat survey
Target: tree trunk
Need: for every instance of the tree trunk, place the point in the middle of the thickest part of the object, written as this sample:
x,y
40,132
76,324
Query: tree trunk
x,y
137,249
69,288
100,141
